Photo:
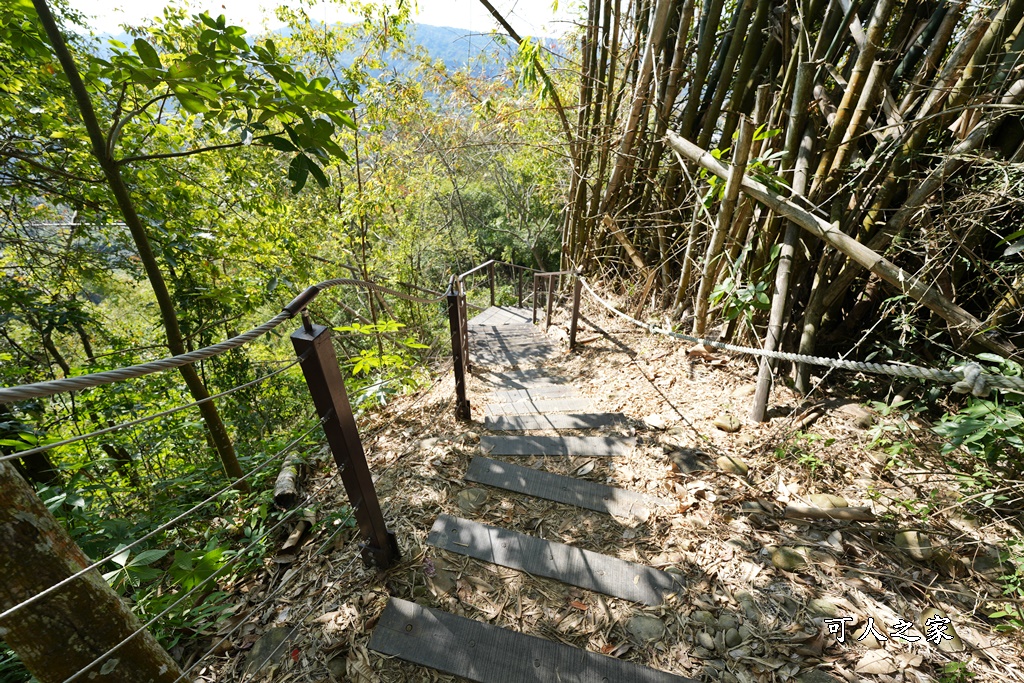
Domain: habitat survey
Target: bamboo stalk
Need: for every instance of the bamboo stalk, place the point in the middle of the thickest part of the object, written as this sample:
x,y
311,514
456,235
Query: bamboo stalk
x,y
734,178
900,279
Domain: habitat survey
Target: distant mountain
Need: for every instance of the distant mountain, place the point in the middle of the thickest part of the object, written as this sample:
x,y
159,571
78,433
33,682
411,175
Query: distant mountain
x,y
456,47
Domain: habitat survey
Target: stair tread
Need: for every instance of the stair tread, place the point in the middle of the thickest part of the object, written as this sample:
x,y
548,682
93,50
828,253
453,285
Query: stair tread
x,y
540,406
539,557
490,654
582,493
532,422
495,444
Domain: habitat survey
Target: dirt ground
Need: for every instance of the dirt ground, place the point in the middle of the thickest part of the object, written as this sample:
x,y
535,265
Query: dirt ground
x,y
763,593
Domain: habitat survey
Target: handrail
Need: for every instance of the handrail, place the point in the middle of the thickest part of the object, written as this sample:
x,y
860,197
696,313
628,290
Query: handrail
x,y
294,307
492,262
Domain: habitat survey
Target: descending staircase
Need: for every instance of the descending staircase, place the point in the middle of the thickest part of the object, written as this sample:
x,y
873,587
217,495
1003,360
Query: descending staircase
x,y
508,354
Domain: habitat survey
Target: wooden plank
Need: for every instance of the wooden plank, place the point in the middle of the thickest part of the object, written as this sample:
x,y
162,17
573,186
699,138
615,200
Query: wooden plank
x,y
503,316
490,654
557,445
511,359
512,395
565,563
515,379
569,490
525,423
552,405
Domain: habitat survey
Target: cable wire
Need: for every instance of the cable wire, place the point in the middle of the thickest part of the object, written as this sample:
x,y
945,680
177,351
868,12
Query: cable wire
x,y
163,527
165,413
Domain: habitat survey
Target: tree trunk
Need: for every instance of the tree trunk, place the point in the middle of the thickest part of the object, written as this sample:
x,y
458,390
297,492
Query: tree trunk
x,y
112,172
68,630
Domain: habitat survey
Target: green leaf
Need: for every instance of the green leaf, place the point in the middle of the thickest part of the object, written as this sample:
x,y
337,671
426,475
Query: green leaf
x,y
298,172
318,173
280,144
147,54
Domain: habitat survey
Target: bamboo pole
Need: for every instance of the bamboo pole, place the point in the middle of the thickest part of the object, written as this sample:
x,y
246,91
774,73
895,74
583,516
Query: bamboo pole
x,y
734,177
900,279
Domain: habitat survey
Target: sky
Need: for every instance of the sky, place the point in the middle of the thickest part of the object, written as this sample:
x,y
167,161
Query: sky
x,y
528,17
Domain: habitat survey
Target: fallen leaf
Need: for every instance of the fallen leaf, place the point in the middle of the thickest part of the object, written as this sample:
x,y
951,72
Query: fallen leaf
x,y
579,605
876,662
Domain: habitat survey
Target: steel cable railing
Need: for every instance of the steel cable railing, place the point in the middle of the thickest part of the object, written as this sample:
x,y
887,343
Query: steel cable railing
x,y
316,357
147,418
219,572
163,527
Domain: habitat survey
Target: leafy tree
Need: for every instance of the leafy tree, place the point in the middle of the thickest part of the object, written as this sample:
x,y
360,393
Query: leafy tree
x,y
200,72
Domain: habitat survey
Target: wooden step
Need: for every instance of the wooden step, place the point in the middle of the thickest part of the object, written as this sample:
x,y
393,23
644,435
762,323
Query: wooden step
x,y
521,379
552,560
569,490
490,654
495,315
525,423
513,395
546,405
612,446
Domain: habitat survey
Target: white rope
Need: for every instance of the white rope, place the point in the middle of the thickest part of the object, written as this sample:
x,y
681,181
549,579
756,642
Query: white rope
x,y
967,378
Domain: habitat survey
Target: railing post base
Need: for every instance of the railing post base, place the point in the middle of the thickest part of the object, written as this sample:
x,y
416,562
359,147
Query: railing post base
x,y
320,367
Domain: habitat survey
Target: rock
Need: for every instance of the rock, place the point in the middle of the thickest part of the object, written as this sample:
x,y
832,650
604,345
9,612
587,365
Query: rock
x,y
861,416
733,465
916,544
338,667
688,460
655,422
427,444
269,650
645,629
727,423
822,608
938,630
788,559
471,500
826,501
748,603
705,639
726,622
702,617
732,638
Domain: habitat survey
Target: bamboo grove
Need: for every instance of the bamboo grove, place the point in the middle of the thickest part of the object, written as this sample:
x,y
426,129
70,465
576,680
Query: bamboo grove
x,y
896,123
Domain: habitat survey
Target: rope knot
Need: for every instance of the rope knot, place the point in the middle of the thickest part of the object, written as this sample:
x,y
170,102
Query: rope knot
x,y
974,381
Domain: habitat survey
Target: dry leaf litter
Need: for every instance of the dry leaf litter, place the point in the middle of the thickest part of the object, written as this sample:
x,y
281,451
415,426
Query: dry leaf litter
x,y
759,588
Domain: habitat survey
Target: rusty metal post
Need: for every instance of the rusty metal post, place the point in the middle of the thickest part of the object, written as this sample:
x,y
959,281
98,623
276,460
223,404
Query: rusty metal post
x,y
326,386
550,301
576,287
535,276
456,313
490,281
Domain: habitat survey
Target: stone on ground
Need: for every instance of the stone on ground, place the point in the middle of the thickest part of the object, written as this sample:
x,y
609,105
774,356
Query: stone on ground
x,y
733,465
788,559
728,423
471,500
916,544
645,629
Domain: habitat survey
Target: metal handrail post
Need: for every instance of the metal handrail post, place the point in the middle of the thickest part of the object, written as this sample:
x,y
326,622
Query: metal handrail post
x,y
456,311
576,289
519,286
550,301
490,281
535,276
320,367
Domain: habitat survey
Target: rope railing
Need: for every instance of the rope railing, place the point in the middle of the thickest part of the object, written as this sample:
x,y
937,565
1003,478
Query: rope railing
x,y
317,358
148,418
968,378
51,387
